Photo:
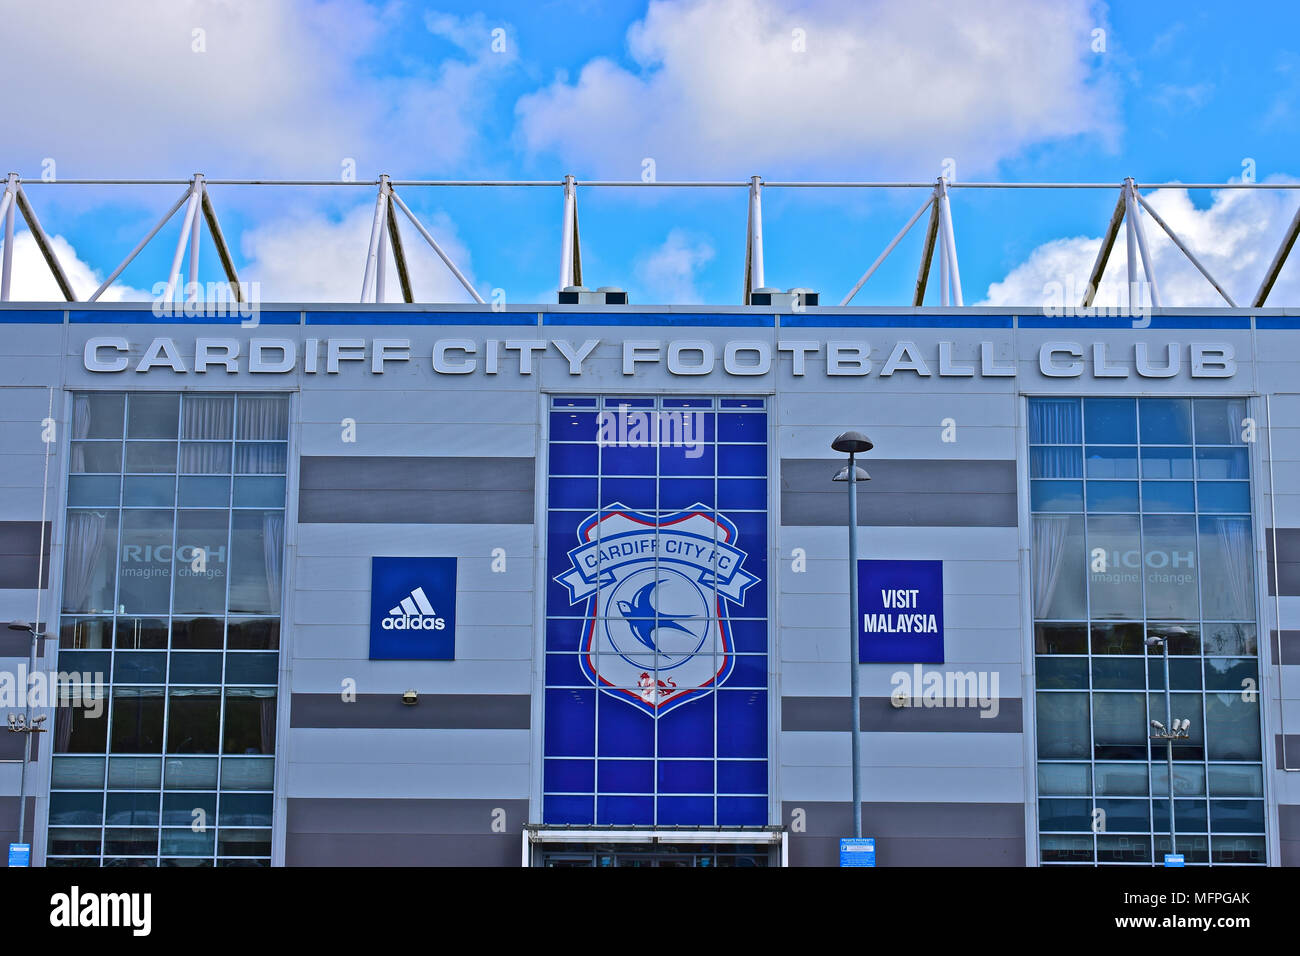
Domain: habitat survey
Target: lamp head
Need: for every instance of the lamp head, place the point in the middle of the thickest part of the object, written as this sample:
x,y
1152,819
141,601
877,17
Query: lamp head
x,y
852,443
858,474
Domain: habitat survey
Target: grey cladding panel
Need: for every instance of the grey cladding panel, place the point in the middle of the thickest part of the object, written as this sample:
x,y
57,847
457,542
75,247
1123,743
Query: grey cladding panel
x,y
400,490
1286,647
433,711
1287,580
924,493
879,715
22,559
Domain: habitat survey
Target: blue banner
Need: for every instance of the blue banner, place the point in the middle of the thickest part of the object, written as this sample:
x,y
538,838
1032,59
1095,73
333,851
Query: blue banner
x,y
900,612
413,609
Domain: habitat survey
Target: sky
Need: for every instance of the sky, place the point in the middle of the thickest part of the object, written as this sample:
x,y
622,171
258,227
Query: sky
x,y
834,90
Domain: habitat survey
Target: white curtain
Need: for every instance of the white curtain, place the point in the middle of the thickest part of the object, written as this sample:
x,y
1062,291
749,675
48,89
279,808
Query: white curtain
x,y
208,417
1054,421
1238,582
80,429
263,418
205,458
273,552
84,547
1050,533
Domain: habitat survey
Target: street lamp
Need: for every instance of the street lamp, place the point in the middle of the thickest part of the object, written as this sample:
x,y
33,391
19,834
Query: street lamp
x,y
28,726
854,443
1171,729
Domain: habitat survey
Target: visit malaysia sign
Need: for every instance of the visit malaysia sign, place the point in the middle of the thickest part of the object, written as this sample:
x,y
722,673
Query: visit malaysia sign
x,y
900,612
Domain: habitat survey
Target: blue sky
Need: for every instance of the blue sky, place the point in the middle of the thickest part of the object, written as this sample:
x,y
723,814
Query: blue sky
x,y
1009,90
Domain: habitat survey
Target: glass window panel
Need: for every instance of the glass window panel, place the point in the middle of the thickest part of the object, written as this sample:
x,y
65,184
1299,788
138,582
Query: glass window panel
x,y
205,458
76,809
140,491
256,561
95,456
130,842
261,458
1222,463
1062,673
1233,727
1227,572
182,842
81,729
249,721
1061,638
1166,462
75,840
247,773
139,667
137,720
1183,706
244,843
199,633
1112,496
1063,848
1219,421
1062,725
130,809
204,492
1184,672
151,457
1231,673
1061,461
252,668
1231,640
1119,719
190,773
85,633
193,667
1118,673
200,562
1056,495
1166,421
1239,781
1123,848
1122,779
90,559
141,633
1238,849
1065,779
1117,639
1237,816
1115,581
189,807
253,634
1112,461
152,415
1176,496
262,417
1170,559
98,415
1127,815
1059,567
259,493
194,722
1189,780
245,810
77,773
89,491
1065,815
145,575
134,773
208,417
1055,421
1110,421
1224,497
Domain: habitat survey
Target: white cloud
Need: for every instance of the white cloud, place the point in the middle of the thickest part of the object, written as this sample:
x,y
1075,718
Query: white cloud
x,y
280,87
885,87
1234,238
313,258
33,281
667,274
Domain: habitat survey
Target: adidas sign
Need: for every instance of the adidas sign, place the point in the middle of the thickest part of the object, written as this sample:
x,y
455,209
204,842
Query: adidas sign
x,y
414,613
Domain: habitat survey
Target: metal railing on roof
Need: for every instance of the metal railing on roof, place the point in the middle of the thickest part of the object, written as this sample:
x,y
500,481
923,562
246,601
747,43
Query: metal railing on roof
x,y
939,235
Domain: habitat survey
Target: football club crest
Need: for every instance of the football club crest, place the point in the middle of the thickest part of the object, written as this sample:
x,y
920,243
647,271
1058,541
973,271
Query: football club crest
x,y
658,589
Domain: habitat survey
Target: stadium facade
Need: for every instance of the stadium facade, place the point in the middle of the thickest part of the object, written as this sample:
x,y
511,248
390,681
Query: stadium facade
x,y
567,585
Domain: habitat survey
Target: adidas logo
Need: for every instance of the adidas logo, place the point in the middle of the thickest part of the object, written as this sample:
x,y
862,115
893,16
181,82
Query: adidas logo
x,y
415,613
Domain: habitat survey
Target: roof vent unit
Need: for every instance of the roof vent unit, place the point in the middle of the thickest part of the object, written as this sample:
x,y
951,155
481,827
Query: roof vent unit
x,y
581,295
794,300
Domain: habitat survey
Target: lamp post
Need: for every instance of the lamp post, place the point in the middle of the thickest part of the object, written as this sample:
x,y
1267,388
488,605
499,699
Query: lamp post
x,y
1170,730
27,727
853,443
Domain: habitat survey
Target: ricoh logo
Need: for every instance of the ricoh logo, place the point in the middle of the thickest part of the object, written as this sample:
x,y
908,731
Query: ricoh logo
x,y
631,428
922,688
76,909
414,613
1162,567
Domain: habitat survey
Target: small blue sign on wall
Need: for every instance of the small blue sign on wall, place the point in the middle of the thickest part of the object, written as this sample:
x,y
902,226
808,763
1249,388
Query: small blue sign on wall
x,y
412,609
857,851
1174,859
900,612
20,854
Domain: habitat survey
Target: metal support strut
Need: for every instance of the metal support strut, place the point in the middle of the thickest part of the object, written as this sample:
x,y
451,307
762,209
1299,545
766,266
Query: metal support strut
x,y
754,239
